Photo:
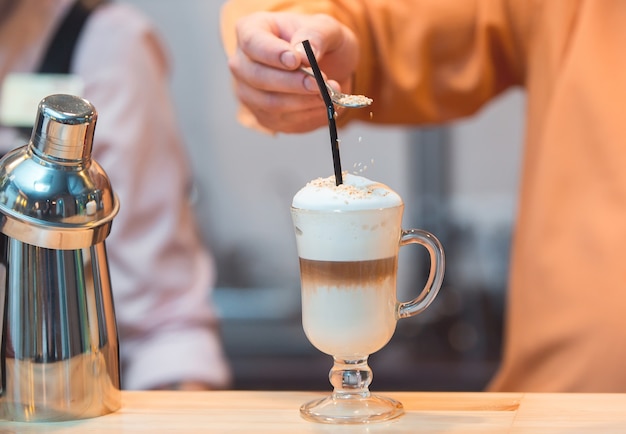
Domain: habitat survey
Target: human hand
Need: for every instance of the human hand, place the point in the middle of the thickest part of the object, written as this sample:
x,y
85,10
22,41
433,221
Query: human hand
x,y
265,67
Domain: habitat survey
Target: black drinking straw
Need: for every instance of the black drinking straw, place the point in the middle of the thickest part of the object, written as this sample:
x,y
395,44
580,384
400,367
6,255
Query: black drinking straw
x,y
330,111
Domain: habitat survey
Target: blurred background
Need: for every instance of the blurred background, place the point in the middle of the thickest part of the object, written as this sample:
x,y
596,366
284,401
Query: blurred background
x,y
459,182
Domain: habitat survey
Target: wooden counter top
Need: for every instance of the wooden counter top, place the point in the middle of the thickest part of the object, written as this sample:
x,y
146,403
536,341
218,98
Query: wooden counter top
x,y
277,412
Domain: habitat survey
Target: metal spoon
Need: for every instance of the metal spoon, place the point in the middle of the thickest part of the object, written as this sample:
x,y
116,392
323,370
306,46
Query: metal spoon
x,y
342,99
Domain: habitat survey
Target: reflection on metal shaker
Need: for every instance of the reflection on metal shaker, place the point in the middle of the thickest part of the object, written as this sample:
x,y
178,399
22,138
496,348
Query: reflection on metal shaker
x,y
59,356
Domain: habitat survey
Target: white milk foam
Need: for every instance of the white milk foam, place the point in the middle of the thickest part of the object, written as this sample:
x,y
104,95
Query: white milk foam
x,y
356,193
355,221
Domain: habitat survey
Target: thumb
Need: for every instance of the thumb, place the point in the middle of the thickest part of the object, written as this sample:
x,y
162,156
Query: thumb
x,y
316,43
333,44
306,49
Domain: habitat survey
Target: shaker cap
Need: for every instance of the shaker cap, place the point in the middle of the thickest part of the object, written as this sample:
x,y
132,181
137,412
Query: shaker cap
x,y
52,193
64,128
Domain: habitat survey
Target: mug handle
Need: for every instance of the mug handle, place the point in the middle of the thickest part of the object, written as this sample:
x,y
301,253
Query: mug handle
x,y
435,277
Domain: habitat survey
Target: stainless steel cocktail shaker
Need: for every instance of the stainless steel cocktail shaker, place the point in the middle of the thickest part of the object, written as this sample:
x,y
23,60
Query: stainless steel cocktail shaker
x,y
59,357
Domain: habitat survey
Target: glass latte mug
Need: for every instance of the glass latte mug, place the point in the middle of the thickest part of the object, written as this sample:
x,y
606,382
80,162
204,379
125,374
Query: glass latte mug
x,y
348,241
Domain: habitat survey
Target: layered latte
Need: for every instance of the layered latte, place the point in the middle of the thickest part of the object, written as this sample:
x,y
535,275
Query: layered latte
x,y
348,239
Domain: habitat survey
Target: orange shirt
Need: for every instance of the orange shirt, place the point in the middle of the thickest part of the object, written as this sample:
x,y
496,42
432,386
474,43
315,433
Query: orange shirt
x,y
430,61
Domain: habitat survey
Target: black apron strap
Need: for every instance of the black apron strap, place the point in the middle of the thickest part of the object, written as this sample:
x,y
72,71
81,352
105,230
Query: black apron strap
x,y
59,53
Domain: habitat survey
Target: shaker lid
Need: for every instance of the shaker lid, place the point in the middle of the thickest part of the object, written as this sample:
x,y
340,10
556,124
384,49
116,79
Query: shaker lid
x,y
64,127
52,193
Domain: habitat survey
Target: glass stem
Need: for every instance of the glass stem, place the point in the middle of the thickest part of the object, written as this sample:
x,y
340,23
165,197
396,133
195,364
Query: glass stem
x,y
350,378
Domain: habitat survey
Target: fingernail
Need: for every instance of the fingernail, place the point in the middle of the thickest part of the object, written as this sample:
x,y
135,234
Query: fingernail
x,y
288,59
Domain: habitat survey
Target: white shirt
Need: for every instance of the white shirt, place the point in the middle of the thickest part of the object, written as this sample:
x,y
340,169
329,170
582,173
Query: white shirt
x,y
161,272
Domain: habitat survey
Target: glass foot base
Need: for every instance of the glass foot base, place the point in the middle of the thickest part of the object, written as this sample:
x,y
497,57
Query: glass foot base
x,y
352,410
